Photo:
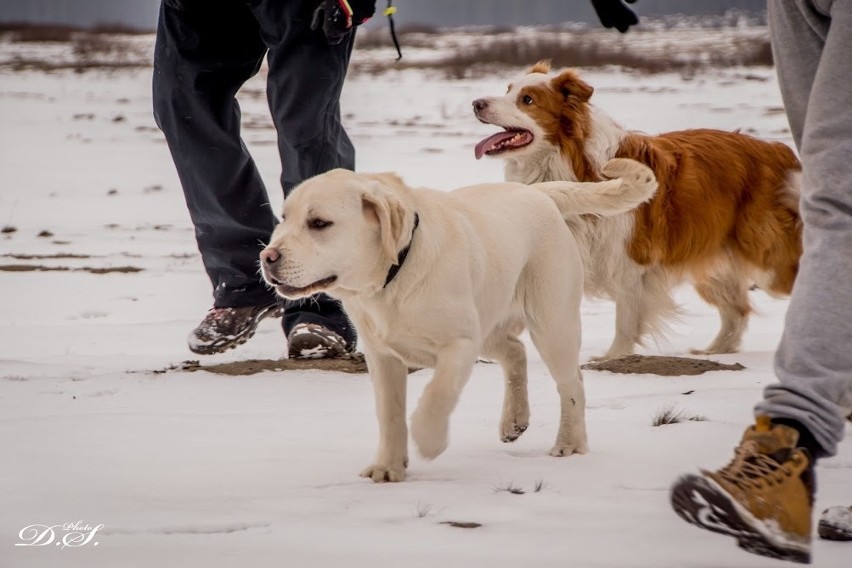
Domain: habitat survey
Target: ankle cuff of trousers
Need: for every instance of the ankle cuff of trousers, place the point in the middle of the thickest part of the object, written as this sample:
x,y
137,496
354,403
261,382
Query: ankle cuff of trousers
x,y
806,439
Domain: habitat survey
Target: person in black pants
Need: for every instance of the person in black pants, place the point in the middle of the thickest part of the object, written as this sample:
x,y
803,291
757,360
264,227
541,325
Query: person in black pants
x,y
205,51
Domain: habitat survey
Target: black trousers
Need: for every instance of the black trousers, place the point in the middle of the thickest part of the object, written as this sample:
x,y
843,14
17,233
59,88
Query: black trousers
x,y
205,51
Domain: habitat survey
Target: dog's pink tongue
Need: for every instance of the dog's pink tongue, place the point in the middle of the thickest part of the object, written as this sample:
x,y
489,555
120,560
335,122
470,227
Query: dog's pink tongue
x,y
491,143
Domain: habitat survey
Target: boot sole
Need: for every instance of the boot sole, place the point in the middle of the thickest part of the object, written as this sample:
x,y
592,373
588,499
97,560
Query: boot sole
x,y
316,344
233,341
701,502
828,531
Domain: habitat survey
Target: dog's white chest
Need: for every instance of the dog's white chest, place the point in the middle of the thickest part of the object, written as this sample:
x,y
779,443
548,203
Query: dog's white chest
x,y
388,333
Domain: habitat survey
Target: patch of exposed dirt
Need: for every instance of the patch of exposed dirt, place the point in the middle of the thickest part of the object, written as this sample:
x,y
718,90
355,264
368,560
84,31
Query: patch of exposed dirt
x,y
462,524
664,366
43,256
89,269
353,364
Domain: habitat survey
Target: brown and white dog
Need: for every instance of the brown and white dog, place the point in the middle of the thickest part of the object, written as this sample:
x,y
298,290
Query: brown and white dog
x,y
725,215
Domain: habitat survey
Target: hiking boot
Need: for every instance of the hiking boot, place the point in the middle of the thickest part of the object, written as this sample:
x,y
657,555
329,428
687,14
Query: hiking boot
x,y
225,328
313,341
835,523
763,498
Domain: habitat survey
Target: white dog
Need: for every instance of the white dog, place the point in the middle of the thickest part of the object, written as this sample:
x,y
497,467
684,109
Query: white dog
x,y
434,279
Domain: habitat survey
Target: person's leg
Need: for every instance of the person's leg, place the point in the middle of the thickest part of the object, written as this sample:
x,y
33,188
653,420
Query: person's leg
x,y
798,32
764,497
305,80
205,50
813,360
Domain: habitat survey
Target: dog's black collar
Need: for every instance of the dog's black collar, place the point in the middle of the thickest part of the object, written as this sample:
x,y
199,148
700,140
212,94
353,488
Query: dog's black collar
x,y
402,254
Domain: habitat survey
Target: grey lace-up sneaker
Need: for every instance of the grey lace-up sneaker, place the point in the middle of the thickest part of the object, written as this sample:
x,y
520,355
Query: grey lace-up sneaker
x,y
313,341
225,328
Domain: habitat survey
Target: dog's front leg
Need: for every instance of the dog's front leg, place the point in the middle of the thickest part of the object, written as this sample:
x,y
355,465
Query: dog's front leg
x,y
389,376
430,423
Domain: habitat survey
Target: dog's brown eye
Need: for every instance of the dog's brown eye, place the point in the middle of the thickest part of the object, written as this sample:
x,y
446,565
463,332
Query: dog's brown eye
x,y
319,224
527,100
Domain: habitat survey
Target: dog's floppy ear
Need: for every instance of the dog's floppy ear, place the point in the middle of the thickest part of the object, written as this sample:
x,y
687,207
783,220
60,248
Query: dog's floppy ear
x,y
380,201
569,84
542,66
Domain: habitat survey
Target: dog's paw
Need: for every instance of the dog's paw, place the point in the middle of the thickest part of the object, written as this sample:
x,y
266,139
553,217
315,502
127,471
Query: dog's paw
x,y
602,358
431,435
609,355
511,432
715,350
513,424
562,450
381,473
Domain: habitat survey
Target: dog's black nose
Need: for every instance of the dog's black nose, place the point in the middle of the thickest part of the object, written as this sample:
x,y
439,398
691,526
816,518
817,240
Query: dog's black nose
x,y
480,105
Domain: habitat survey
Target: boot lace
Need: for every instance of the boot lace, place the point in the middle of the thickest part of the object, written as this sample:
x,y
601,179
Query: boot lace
x,y
751,469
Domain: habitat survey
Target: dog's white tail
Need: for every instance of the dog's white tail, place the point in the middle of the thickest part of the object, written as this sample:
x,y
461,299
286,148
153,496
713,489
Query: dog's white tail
x,y
632,183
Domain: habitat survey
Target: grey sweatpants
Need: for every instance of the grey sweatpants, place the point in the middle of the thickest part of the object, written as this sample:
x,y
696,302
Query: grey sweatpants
x,y
812,45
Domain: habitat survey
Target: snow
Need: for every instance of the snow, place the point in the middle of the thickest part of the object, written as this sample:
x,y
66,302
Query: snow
x,y
197,469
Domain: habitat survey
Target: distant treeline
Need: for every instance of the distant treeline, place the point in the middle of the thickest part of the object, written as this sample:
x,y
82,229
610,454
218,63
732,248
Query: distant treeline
x,y
142,14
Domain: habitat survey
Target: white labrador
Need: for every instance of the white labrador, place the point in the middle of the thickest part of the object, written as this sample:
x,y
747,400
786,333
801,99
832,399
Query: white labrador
x,y
435,279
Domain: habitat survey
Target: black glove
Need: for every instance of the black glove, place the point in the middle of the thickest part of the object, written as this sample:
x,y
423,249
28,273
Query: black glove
x,y
338,17
614,14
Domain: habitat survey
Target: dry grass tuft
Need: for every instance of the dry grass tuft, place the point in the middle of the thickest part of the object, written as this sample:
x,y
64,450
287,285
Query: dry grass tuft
x,y
34,33
55,33
104,47
509,488
575,51
672,415
468,53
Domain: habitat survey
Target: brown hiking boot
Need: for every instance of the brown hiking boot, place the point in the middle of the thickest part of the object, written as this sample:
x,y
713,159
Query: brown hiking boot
x,y
225,328
313,341
763,498
835,523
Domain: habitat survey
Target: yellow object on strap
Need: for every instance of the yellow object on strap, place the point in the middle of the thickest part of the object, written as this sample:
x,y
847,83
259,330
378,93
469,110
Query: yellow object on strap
x,y
389,12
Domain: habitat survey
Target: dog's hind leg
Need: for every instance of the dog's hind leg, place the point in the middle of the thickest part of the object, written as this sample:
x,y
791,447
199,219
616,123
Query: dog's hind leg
x,y
727,289
430,423
558,343
504,347
553,318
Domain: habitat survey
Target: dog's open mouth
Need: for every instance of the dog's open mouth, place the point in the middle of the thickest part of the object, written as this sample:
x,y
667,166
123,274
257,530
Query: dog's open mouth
x,y
509,139
294,292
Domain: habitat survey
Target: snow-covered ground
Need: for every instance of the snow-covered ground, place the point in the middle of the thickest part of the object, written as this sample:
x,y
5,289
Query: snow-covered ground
x,y
197,469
